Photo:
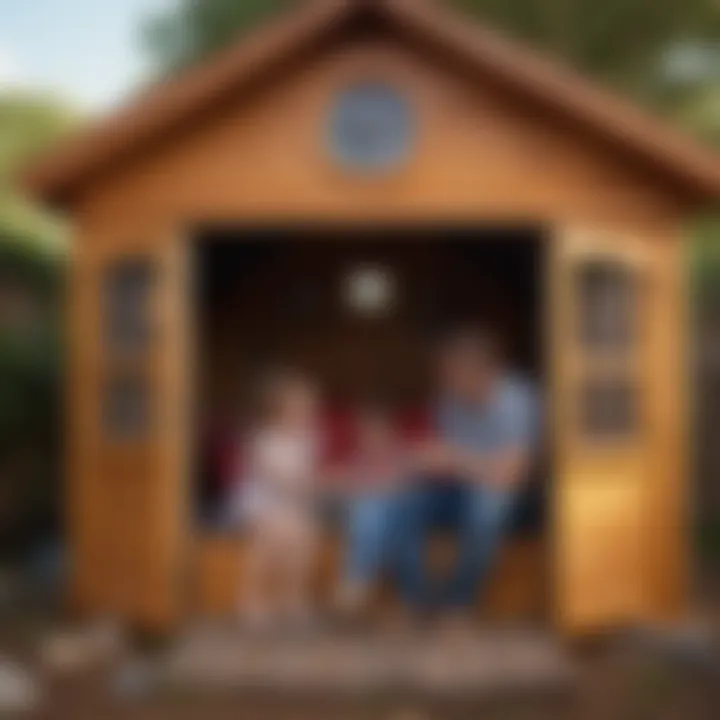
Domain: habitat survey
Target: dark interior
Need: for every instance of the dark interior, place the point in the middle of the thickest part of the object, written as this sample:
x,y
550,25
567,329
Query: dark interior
x,y
278,298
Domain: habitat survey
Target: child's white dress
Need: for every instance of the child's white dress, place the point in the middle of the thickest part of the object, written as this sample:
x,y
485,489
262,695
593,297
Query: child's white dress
x,y
280,474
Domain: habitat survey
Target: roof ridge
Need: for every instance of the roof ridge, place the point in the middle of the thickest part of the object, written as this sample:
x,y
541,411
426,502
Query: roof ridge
x,y
559,89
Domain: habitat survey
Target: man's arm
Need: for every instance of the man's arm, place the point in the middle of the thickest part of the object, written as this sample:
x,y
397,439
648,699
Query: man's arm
x,y
507,464
506,467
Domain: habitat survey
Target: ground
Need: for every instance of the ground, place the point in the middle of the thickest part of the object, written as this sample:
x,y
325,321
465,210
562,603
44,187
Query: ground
x,y
609,690
617,679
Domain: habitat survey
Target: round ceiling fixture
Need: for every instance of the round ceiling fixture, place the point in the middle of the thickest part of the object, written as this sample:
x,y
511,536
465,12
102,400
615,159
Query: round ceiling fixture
x,y
370,290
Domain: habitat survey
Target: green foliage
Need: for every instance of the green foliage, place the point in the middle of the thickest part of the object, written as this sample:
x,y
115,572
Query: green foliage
x,y
697,108
706,258
619,41
622,42
709,541
28,377
196,28
37,268
30,390
28,125
31,273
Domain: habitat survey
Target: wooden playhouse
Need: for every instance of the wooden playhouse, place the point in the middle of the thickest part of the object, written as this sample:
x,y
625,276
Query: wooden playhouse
x,y
392,133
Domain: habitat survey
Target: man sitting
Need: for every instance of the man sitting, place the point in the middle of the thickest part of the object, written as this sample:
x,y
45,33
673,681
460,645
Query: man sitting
x,y
471,474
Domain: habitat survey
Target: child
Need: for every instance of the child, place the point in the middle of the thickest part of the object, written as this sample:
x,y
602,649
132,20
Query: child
x,y
277,502
374,475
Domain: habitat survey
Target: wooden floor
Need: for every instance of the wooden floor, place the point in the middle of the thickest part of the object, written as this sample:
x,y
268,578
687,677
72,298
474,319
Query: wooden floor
x,y
493,661
517,590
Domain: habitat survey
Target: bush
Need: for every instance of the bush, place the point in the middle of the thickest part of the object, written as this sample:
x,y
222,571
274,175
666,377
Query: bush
x,y
31,284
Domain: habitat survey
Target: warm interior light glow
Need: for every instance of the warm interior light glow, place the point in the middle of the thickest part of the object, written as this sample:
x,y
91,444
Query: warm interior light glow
x,y
369,290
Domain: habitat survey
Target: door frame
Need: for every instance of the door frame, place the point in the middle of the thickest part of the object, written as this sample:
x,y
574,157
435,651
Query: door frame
x,y
542,238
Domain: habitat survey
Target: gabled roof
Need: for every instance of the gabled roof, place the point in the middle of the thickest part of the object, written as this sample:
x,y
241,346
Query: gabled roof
x,y
685,165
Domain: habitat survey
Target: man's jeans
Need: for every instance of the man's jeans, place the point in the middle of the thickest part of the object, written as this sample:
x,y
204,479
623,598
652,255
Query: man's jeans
x,y
369,525
478,513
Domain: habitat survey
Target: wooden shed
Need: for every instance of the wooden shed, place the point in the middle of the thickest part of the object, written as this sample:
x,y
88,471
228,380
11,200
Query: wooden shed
x,y
218,217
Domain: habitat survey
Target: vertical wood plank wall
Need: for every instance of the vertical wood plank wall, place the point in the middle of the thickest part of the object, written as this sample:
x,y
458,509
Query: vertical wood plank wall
x,y
620,505
128,499
669,543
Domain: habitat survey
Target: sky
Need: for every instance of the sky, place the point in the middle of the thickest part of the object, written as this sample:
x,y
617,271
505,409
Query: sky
x,y
87,52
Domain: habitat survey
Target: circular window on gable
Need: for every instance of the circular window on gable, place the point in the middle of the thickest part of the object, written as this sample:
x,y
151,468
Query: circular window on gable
x,y
372,127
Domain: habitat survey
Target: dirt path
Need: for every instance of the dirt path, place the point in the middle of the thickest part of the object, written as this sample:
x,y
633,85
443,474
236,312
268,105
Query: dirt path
x,y
614,683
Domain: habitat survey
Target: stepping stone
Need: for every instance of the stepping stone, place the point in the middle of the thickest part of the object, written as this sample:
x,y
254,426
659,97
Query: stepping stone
x,y
19,691
489,663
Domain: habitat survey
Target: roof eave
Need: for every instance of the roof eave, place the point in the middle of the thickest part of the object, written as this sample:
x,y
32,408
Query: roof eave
x,y
683,165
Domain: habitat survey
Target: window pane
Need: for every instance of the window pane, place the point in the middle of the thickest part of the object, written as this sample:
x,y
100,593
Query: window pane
x,y
609,408
127,295
126,406
608,307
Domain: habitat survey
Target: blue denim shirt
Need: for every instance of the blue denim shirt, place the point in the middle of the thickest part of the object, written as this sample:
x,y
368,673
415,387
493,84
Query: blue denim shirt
x,y
509,419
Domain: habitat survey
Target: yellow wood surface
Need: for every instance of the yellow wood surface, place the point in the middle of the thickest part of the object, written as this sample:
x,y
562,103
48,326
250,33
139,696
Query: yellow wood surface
x,y
618,504
127,499
517,590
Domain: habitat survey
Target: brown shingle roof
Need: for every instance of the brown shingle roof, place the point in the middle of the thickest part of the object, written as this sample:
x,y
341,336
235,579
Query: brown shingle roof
x,y
693,169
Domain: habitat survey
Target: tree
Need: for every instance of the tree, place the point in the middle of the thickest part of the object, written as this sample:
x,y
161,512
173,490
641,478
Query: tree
x,y
31,272
31,354
696,107
28,125
622,42
195,28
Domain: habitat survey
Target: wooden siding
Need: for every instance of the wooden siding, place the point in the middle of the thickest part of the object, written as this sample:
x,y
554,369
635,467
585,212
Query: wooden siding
x,y
482,156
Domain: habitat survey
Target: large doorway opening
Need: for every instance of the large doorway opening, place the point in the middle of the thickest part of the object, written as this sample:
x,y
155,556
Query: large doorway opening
x,y
360,311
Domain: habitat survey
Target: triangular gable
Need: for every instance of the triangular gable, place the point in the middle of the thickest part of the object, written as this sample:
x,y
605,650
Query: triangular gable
x,y
690,168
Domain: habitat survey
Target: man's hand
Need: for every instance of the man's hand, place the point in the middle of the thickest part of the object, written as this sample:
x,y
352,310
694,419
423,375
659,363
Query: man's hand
x,y
436,457
506,469
501,469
